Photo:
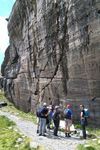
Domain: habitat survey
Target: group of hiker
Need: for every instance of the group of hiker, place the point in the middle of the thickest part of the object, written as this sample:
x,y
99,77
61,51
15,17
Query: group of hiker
x,y
48,115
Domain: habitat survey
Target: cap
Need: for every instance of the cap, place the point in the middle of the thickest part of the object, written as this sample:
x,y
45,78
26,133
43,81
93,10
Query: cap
x,y
50,108
44,104
68,106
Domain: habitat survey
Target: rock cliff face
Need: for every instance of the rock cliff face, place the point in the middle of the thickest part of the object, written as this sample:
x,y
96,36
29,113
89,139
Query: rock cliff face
x,y
54,53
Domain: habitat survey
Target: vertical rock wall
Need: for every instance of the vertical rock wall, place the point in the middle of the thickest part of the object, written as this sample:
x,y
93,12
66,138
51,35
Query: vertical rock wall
x,y
54,53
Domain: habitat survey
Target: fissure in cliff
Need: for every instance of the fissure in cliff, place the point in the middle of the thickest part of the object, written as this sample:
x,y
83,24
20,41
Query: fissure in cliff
x,y
54,54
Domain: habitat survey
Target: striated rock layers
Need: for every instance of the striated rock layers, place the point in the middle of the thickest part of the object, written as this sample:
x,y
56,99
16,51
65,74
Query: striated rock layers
x,y
54,54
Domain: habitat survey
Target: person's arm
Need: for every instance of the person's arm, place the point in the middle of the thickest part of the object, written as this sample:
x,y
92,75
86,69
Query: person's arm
x,y
46,112
81,115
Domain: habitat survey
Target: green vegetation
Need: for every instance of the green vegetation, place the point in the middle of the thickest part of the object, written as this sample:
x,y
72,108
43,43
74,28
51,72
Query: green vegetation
x,y
5,122
10,139
2,96
11,108
93,143
77,126
28,116
90,145
94,131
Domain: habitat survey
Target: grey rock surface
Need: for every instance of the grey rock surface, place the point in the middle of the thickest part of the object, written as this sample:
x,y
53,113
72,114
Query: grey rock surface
x,y
54,52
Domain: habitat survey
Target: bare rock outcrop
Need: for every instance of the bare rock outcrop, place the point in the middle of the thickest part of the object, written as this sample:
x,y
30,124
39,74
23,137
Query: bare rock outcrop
x,y
54,53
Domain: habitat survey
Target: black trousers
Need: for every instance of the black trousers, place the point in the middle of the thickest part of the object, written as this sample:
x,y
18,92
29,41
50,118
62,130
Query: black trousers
x,y
56,127
84,123
84,131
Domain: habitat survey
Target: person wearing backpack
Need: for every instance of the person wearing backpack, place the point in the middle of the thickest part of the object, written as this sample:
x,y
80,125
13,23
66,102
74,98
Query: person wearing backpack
x,y
43,116
56,120
50,116
83,120
68,120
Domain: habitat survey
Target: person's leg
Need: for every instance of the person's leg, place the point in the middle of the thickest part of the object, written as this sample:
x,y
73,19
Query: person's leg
x,y
43,126
69,125
38,124
55,128
84,131
49,121
66,127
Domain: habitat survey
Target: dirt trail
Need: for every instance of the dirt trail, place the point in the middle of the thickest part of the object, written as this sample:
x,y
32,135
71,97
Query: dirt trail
x,y
50,142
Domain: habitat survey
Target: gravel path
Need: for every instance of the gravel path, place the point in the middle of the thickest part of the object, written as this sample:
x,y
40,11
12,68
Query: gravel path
x,y
50,142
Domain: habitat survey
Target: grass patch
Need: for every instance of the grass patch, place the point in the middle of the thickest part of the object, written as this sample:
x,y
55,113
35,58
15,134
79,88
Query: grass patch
x,y
9,137
5,122
90,145
8,134
2,97
77,126
11,108
92,131
26,116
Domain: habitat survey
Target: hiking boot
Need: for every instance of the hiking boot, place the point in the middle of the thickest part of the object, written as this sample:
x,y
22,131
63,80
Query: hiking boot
x,y
55,135
68,135
37,131
44,135
40,134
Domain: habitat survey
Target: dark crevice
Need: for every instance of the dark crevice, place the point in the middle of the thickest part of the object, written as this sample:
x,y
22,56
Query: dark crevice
x,y
63,46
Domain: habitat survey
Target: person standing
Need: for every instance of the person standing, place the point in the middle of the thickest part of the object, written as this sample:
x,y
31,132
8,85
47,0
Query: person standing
x,y
50,117
56,120
83,121
43,117
68,120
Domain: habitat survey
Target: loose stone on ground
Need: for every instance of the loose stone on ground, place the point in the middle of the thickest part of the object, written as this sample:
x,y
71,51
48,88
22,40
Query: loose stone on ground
x,y
50,142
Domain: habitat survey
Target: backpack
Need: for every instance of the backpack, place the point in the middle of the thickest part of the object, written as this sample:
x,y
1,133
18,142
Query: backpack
x,y
39,112
56,116
67,113
87,113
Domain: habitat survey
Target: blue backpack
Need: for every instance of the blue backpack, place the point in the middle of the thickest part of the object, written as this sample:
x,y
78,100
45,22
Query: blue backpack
x,y
87,113
68,113
39,112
